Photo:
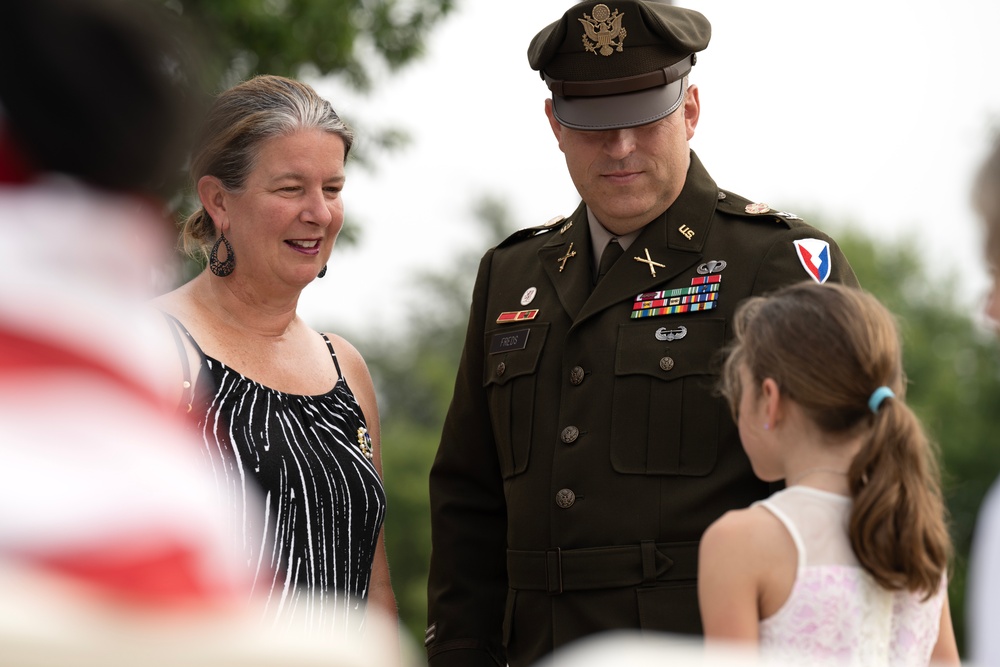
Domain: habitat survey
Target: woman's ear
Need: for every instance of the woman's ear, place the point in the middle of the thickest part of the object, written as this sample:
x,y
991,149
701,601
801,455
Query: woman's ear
x,y
215,200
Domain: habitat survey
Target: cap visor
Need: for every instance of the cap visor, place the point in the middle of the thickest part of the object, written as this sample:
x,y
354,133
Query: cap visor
x,y
611,112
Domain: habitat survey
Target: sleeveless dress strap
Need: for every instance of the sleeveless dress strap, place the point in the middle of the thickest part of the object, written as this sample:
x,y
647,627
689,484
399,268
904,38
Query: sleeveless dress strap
x,y
332,353
182,354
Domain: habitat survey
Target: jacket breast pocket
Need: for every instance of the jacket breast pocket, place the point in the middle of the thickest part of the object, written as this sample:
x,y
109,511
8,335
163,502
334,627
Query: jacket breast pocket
x,y
509,377
666,414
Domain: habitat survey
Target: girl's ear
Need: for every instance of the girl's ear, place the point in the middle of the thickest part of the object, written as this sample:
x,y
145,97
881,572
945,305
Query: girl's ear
x,y
773,401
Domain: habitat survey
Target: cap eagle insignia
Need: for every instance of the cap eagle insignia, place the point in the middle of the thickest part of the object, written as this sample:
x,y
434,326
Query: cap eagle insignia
x,y
602,29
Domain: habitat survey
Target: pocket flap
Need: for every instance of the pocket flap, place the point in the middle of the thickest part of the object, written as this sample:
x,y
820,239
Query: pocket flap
x,y
512,352
670,350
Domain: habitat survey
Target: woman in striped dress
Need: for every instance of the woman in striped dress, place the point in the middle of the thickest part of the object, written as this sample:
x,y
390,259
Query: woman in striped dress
x,y
282,409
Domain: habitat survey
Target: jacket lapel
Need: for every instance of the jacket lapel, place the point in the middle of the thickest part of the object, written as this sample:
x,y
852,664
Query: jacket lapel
x,y
573,282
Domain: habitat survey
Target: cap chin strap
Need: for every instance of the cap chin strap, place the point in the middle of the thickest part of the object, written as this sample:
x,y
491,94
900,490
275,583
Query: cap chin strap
x,y
630,84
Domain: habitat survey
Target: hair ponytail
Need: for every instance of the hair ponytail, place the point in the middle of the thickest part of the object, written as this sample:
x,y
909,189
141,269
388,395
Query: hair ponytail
x,y
828,347
897,526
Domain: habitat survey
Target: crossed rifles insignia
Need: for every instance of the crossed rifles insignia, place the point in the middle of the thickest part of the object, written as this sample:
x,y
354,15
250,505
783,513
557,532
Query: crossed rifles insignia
x,y
602,29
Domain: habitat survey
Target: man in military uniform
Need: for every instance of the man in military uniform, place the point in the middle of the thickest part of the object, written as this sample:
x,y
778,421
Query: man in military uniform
x,y
585,450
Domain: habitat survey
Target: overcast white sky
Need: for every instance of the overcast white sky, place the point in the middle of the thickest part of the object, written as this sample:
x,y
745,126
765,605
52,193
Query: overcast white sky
x,y
874,111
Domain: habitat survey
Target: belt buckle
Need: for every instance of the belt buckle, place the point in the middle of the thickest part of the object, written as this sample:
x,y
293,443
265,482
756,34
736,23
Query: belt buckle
x,y
553,571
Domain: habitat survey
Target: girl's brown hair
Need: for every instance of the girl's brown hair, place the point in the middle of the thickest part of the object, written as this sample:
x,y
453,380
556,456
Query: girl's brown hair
x,y
828,348
238,123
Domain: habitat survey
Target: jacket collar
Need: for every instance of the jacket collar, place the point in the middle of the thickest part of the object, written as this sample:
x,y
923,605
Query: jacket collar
x,y
674,239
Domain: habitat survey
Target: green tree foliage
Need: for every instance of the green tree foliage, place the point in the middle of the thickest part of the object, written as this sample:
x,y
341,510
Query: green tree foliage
x,y
343,37
952,365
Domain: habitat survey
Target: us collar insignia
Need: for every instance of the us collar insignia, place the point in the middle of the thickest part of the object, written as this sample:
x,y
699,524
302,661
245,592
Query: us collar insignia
x,y
702,295
602,29
517,316
365,443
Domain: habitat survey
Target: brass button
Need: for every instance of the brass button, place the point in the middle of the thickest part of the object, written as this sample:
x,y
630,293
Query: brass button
x,y
501,367
565,498
576,375
570,434
666,363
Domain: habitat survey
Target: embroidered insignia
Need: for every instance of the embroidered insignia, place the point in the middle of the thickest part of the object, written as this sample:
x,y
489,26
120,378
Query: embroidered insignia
x,y
517,316
757,209
602,29
814,255
703,294
713,266
649,260
565,258
365,443
664,333
528,296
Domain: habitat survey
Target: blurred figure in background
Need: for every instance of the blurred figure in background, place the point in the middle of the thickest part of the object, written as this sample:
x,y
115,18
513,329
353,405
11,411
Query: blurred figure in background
x,y
983,609
294,408
114,548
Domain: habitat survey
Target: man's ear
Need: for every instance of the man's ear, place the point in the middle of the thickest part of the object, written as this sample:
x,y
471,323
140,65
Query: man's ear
x,y
556,126
692,110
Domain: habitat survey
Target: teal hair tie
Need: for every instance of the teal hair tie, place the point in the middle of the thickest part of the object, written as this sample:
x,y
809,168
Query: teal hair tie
x,y
878,396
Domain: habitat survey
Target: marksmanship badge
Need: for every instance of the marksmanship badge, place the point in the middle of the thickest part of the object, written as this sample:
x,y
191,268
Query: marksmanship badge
x,y
602,29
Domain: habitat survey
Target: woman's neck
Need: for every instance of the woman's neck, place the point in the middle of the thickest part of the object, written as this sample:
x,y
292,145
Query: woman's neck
x,y
244,307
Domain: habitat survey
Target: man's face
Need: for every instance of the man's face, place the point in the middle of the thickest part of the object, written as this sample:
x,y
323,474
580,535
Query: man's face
x,y
630,176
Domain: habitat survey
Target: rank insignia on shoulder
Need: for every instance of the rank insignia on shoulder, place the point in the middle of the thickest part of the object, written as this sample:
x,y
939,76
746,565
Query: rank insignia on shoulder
x,y
703,294
814,255
786,216
757,209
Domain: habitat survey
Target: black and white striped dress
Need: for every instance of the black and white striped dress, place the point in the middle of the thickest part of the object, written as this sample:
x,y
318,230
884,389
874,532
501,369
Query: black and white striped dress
x,y
312,543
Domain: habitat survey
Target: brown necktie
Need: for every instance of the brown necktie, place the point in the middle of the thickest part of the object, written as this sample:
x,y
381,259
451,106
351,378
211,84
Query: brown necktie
x,y
610,255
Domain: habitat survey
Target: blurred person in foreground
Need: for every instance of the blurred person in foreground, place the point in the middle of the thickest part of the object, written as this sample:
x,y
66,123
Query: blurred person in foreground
x,y
983,609
292,407
584,452
114,548
847,565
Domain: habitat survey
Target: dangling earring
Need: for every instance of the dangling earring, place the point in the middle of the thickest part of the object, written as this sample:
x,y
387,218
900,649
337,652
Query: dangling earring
x,y
322,272
223,268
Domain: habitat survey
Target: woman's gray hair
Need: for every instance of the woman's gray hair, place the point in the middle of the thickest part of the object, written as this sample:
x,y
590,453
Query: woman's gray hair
x,y
239,122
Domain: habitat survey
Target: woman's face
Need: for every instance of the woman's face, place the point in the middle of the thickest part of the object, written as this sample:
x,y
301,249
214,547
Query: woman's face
x,y
285,221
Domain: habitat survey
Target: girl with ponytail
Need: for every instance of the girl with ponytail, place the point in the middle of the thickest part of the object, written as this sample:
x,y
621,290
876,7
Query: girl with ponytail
x,y
848,563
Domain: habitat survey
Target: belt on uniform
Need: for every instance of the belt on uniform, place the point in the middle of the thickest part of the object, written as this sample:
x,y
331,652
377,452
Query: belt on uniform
x,y
557,570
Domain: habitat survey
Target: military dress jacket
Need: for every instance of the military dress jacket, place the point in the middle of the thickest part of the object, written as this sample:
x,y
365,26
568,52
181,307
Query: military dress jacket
x,y
586,449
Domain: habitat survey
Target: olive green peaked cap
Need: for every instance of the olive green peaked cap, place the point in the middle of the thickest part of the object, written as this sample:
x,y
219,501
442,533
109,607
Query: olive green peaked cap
x,y
619,64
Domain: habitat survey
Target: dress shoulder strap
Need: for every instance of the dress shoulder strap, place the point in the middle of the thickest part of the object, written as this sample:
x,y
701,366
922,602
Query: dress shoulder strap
x,y
333,353
176,328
